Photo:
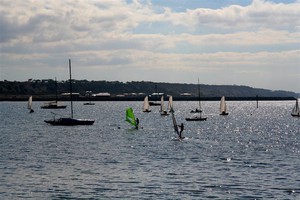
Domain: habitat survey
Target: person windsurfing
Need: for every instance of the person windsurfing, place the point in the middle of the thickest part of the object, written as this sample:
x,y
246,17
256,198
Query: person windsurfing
x,y
130,118
179,133
181,130
137,122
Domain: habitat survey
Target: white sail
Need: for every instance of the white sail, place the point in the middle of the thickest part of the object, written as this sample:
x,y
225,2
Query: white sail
x,y
170,105
296,110
162,105
223,108
30,102
146,104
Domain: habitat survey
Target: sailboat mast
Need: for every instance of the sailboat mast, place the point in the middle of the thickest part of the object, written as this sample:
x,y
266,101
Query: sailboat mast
x,y
256,101
71,88
55,90
199,98
156,93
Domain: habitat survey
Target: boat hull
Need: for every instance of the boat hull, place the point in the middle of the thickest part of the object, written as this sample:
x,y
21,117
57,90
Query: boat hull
x,y
196,111
69,122
154,104
196,119
295,115
53,107
224,113
89,104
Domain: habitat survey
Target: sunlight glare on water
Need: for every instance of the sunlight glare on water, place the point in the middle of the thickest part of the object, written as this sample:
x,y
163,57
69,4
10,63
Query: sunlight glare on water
x,y
253,153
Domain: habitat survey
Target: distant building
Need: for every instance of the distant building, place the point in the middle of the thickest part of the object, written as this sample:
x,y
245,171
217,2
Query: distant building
x,y
102,94
185,94
134,94
157,94
120,95
68,94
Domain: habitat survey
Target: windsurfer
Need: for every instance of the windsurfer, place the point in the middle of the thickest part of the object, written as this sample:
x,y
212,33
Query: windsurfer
x,y
181,130
137,121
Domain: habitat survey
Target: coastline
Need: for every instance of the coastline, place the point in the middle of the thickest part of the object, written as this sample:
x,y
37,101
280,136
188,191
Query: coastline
x,y
136,98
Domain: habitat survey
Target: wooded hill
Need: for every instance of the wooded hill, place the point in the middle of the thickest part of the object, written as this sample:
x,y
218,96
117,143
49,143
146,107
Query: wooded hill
x,y
48,87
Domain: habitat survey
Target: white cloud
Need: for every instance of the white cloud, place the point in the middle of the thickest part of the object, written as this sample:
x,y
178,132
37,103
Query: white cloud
x,y
106,35
256,15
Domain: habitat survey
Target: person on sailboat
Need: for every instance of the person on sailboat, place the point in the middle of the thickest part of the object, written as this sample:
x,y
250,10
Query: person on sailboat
x,y
181,130
137,121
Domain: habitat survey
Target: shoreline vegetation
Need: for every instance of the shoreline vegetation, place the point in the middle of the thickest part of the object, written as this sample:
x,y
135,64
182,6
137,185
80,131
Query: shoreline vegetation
x,y
84,90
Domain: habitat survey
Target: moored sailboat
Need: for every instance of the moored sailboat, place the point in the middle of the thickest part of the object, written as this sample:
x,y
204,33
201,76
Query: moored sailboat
x,y
200,117
54,104
70,121
156,95
89,94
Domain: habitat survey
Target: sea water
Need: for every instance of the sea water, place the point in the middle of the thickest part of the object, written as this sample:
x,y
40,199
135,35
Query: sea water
x,y
253,153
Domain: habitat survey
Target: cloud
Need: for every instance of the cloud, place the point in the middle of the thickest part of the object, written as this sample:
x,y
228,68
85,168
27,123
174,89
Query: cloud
x,y
258,14
140,37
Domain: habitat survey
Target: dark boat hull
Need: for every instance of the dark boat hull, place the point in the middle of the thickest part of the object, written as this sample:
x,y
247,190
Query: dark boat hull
x,y
295,115
154,104
90,104
196,111
223,113
164,114
53,107
196,119
70,122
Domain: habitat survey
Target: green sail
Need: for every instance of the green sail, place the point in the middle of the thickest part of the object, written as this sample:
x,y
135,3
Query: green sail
x,y
130,118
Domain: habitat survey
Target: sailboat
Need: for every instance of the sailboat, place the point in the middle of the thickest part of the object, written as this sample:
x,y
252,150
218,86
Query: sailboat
x,y
130,118
30,104
223,107
296,110
163,111
70,121
53,104
146,107
197,118
156,95
89,93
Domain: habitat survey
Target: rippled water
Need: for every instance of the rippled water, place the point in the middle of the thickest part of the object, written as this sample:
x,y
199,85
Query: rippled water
x,y
249,154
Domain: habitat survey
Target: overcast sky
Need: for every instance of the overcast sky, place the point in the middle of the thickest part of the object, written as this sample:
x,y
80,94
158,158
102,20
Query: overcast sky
x,y
241,42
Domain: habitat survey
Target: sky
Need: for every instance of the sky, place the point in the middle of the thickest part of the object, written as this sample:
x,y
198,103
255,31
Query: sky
x,y
222,42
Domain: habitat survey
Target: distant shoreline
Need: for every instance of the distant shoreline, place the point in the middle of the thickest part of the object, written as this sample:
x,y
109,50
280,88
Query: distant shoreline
x,y
137,98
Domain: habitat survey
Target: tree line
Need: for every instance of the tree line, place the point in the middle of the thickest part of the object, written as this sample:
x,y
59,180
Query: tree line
x,y
48,87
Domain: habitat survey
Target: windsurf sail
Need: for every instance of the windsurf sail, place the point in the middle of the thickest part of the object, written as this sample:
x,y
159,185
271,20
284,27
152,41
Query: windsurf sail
x,y
296,110
174,121
29,102
130,118
223,108
146,105
170,103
